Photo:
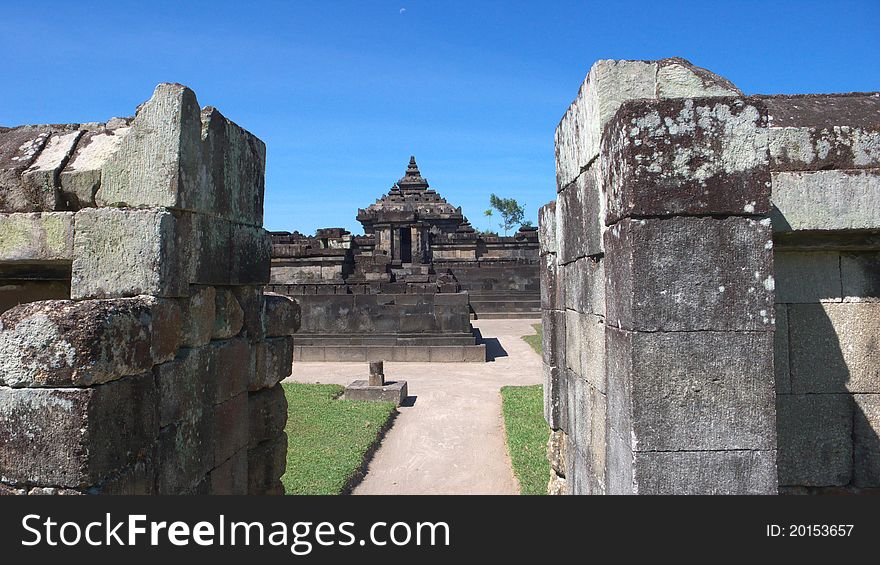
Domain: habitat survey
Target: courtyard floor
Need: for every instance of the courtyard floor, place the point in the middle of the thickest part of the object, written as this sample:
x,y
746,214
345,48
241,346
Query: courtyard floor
x,y
449,439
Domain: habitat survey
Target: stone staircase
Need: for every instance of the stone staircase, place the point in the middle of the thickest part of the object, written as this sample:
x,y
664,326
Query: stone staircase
x,y
494,304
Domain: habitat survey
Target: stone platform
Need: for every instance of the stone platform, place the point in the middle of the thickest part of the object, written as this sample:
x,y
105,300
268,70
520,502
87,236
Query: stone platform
x,y
391,391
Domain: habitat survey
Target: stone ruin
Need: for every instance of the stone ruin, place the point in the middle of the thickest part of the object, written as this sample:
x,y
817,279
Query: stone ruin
x,y
408,288
711,288
138,352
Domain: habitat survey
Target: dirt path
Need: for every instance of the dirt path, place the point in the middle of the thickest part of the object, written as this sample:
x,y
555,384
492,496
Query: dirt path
x,y
451,440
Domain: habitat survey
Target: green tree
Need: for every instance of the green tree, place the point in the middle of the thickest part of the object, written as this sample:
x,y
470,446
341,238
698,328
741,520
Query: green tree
x,y
509,209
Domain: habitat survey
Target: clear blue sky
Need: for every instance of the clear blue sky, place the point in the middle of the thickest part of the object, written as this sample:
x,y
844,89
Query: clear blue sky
x,y
344,92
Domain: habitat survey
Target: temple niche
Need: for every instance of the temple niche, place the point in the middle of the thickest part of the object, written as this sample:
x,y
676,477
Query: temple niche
x,y
417,250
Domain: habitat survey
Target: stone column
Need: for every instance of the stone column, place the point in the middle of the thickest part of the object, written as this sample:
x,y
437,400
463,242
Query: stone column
x,y
689,295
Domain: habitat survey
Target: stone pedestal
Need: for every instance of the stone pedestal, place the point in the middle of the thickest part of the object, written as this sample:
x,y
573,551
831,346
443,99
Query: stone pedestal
x,y
392,391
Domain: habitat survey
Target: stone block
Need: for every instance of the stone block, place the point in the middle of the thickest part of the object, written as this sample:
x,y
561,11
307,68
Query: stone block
x,y
213,248
267,414
81,177
866,441
474,353
266,464
274,362
686,157
40,180
555,397
547,228
58,343
75,437
815,439
138,478
391,391
580,217
186,452
124,252
231,476
692,391
19,148
228,314
807,276
230,428
860,275
585,347
283,315
826,200
705,472
834,347
584,282
683,274
619,471
252,303
197,316
230,366
181,385
678,78
553,337
597,452
46,236
781,351
606,87
251,255
551,285
824,132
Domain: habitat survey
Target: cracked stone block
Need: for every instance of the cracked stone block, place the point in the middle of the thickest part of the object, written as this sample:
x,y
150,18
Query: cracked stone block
x,y
692,390
81,177
129,252
554,397
75,437
274,362
61,343
682,274
266,464
267,414
584,282
556,451
197,315
815,439
164,161
251,255
186,450
553,337
551,285
826,200
678,78
580,217
40,180
585,347
547,228
230,476
181,385
686,157
252,303
282,314
229,315
808,276
41,236
231,365
834,347
230,428
706,472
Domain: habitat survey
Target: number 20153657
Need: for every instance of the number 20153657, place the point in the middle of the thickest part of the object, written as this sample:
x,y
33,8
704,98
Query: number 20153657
x,y
809,530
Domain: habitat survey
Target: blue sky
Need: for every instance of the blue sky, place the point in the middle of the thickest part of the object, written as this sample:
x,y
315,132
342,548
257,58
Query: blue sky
x,y
344,92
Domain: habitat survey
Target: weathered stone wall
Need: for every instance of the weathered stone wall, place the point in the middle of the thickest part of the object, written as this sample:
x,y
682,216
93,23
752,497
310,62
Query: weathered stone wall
x,y
158,373
658,287
825,154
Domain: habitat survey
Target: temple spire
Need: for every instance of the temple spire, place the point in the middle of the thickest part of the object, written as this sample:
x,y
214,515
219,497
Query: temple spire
x,y
412,179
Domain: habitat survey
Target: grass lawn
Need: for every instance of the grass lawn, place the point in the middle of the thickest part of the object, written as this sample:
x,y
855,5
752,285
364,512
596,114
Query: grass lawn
x,y
527,435
328,437
535,339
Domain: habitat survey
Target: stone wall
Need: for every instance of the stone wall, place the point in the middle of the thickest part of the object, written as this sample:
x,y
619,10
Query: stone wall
x,y
658,283
156,371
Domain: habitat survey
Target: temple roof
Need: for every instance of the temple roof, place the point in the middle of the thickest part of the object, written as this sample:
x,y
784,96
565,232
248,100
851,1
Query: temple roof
x,y
410,198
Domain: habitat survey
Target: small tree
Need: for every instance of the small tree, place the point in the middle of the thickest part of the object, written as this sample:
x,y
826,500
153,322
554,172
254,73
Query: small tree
x,y
511,212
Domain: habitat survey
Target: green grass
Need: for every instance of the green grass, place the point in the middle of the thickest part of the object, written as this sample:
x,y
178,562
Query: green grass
x,y
535,339
328,437
527,435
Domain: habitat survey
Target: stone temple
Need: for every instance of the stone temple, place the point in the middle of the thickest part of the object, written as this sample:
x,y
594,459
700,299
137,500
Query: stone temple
x,y
407,289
